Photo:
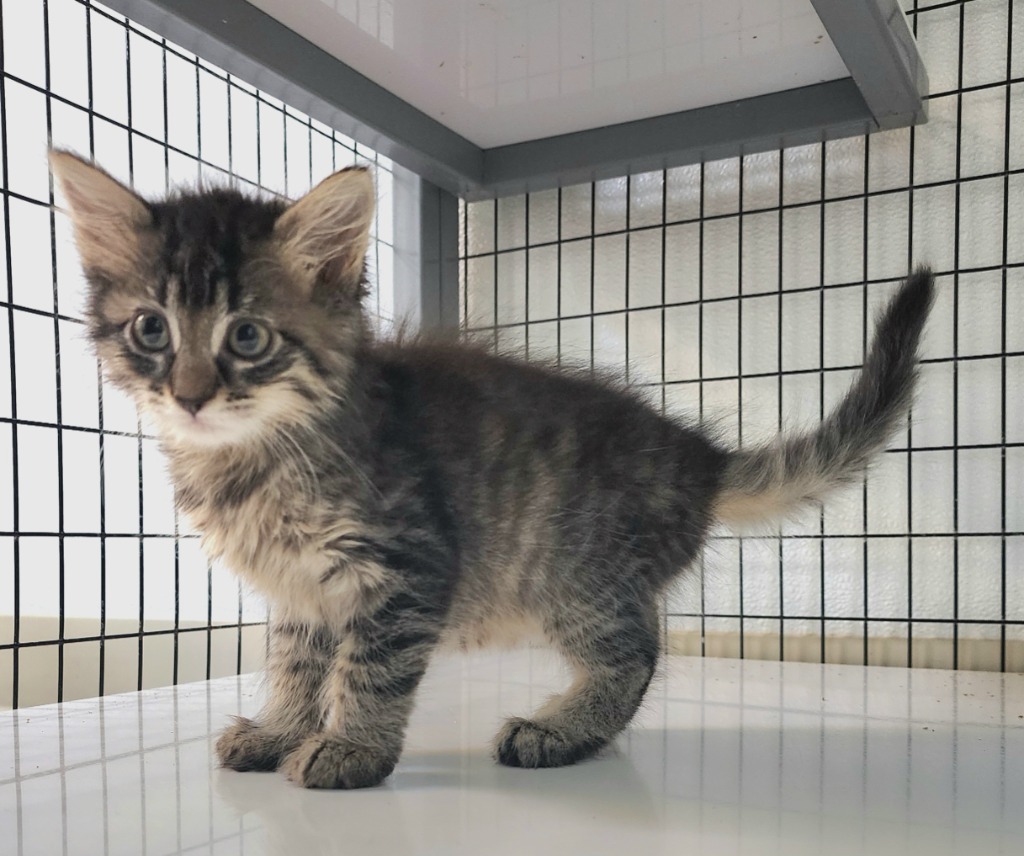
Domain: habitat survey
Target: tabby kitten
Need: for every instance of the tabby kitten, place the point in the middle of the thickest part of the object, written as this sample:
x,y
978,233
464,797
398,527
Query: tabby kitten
x,y
391,498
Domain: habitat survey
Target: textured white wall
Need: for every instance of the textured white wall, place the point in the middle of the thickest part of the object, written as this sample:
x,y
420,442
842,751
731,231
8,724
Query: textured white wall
x,y
741,292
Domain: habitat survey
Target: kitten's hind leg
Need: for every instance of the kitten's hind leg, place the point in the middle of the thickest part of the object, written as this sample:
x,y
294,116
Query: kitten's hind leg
x,y
614,652
298,660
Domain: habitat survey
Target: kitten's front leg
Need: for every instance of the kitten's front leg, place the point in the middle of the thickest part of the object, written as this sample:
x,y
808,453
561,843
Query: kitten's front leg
x,y
298,662
371,686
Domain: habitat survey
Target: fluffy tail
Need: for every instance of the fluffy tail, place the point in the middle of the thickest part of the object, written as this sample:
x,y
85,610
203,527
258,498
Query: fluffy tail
x,y
770,482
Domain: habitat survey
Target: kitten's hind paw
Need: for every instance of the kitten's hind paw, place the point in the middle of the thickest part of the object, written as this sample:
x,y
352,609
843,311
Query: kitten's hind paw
x,y
334,762
246,746
526,743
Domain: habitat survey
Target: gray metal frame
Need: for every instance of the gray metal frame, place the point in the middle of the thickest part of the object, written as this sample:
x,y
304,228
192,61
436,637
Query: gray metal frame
x,y
250,44
886,89
874,40
426,253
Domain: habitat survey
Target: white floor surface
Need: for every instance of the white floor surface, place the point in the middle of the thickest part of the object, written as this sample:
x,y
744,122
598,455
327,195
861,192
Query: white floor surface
x,y
726,757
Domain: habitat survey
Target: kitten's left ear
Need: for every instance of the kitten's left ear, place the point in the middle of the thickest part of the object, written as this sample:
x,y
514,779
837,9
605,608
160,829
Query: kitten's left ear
x,y
108,217
325,234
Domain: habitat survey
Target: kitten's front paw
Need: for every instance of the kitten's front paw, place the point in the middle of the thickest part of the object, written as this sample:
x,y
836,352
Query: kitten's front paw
x,y
247,746
334,762
526,743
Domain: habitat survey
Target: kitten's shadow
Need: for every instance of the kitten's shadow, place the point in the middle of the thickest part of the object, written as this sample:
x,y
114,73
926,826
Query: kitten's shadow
x,y
610,783
288,820
375,820
679,784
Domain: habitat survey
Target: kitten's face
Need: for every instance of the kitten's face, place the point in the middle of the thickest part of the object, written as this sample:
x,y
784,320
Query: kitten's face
x,y
226,318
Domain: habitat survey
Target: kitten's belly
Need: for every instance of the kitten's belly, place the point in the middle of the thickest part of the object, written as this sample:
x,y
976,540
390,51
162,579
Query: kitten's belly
x,y
493,606
500,629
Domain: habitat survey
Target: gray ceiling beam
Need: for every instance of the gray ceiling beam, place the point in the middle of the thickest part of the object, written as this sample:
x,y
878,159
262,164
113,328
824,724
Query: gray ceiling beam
x,y
247,42
789,118
874,41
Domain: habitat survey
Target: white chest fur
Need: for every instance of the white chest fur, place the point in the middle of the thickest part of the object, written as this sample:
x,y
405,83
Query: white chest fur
x,y
291,550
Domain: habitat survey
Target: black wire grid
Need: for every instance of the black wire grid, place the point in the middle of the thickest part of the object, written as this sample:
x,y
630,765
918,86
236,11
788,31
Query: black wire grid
x,y
95,570
742,291
732,287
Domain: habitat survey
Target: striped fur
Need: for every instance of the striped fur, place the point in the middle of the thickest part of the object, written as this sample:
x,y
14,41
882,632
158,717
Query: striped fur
x,y
392,498
770,482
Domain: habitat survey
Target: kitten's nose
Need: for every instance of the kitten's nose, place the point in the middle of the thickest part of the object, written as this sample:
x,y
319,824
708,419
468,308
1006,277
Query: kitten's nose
x,y
192,405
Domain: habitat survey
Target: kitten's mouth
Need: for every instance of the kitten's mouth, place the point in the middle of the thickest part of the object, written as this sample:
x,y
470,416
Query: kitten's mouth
x,y
221,422
197,421
207,427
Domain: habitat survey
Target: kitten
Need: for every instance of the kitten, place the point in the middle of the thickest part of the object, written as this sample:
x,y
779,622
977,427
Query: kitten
x,y
390,498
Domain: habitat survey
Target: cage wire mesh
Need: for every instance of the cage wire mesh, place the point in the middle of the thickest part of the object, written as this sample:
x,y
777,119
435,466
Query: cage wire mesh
x,y
101,588
737,291
742,292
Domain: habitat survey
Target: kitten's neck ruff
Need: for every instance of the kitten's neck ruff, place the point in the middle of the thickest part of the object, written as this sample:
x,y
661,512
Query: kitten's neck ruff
x,y
219,474
298,456
274,510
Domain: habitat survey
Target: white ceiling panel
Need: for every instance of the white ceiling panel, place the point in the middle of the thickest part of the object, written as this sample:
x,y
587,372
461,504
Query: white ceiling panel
x,y
507,71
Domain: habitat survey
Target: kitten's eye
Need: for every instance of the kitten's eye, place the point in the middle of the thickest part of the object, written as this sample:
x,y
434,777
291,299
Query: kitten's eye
x,y
249,339
150,331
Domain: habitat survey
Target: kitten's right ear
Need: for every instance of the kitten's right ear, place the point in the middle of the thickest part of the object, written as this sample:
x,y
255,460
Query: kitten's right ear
x,y
325,234
107,216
